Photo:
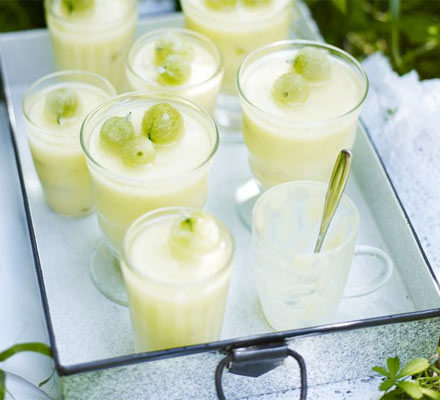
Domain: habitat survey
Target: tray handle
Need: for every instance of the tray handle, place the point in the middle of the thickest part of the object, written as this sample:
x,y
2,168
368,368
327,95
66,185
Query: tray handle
x,y
255,361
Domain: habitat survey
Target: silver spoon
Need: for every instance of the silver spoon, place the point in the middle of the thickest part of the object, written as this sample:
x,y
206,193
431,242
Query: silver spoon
x,y
334,193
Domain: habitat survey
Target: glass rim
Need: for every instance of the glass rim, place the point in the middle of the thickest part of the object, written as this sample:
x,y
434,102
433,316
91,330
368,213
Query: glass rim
x,y
60,74
219,18
294,43
142,40
150,95
345,198
108,24
137,225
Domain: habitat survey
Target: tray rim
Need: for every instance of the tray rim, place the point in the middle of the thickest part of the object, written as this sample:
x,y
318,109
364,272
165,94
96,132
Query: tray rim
x,y
217,346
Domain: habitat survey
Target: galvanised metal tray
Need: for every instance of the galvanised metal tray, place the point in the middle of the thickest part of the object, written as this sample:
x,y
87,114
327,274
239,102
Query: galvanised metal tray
x,y
91,337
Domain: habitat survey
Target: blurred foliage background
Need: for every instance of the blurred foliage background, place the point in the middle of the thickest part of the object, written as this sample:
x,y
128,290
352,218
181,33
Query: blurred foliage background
x,y
408,31
16,15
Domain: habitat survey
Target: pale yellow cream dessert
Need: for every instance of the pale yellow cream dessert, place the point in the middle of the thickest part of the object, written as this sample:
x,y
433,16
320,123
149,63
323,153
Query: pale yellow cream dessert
x,y
178,61
146,150
238,27
54,109
176,265
301,103
92,35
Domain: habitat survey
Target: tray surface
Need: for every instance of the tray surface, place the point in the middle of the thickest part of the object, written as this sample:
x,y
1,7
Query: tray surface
x,y
88,327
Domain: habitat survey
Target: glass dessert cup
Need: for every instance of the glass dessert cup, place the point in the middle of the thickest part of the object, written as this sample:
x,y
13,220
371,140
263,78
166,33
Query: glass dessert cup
x,y
122,195
203,84
95,39
283,146
55,147
237,32
184,305
17,387
297,287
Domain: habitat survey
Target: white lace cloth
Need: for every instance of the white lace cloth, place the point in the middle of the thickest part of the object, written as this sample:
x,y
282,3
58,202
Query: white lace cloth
x,y
403,117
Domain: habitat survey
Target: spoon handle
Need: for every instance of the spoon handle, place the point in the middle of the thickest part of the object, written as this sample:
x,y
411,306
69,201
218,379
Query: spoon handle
x,y
335,190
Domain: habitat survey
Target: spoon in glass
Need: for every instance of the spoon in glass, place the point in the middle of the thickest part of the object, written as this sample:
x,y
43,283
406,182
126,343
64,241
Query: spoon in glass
x,y
334,193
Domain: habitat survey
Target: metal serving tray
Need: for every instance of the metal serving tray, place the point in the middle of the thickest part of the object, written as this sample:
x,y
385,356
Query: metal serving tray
x,y
91,337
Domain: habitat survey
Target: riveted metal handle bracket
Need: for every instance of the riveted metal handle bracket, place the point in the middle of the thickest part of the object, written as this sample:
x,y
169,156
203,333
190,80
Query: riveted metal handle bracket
x,y
255,361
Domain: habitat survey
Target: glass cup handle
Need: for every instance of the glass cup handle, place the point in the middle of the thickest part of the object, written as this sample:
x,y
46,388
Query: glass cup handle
x,y
379,279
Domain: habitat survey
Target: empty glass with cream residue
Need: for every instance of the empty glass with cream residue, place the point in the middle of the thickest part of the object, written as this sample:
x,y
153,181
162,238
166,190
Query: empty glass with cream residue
x,y
299,288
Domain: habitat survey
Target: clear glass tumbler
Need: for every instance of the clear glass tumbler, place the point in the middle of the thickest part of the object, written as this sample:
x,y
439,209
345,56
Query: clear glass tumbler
x,y
237,31
17,387
94,39
297,287
121,194
55,147
175,309
289,143
204,82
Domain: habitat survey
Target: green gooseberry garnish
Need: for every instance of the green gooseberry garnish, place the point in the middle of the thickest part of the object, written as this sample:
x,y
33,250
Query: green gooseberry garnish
x,y
78,5
115,131
290,88
162,124
61,103
172,44
220,4
174,71
312,64
138,151
255,3
195,235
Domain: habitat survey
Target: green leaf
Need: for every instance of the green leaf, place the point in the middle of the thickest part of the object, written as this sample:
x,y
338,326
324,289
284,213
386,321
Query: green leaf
x,y
42,383
341,5
2,384
414,367
395,394
387,384
381,371
415,27
35,347
412,389
432,394
393,365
